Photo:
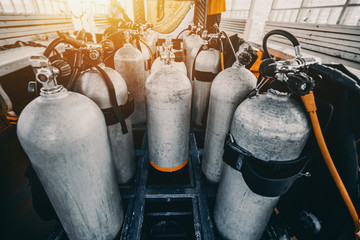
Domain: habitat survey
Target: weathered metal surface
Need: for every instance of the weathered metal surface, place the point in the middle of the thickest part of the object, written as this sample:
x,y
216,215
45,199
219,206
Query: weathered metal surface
x,y
239,213
91,84
168,100
206,61
130,63
158,64
68,148
228,89
270,126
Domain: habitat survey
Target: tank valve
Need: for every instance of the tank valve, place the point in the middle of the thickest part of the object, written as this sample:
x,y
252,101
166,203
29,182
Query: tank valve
x,y
44,74
300,83
166,53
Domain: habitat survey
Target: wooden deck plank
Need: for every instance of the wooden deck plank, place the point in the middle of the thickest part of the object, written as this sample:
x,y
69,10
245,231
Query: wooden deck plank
x,y
10,24
343,29
309,33
12,60
334,45
320,49
39,30
28,17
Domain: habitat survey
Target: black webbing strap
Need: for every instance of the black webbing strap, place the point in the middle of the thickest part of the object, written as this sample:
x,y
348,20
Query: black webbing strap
x,y
127,109
19,43
112,95
204,76
271,178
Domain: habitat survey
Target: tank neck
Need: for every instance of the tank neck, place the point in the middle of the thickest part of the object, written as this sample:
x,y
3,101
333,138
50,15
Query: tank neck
x,y
237,65
166,53
58,92
278,95
127,45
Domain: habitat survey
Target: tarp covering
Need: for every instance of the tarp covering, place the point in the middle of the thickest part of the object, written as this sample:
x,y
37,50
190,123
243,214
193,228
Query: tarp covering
x,y
167,18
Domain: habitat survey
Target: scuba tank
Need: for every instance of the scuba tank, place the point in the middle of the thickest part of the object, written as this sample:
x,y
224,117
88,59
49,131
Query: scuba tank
x,y
331,196
263,154
92,84
64,135
168,100
192,41
206,67
268,133
129,62
228,89
176,58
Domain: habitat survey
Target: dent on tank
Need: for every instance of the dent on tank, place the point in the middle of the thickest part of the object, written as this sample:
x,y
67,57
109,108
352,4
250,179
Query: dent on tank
x,y
174,119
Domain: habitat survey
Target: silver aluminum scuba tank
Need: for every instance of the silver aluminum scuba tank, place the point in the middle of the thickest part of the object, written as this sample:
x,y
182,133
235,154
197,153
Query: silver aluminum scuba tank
x,y
193,40
263,152
130,63
64,134
206,67
268,131
91,83
175,61
168,100
228,89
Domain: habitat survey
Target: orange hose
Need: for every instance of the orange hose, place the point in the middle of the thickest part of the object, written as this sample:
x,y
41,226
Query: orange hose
x,y
310,106
222,60
151,52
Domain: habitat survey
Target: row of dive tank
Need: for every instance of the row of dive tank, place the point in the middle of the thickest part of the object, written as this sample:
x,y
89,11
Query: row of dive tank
x,y
75,142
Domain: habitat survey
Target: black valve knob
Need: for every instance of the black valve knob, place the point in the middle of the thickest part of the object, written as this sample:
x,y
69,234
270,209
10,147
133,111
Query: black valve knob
x,y
63,67
300,83
268,68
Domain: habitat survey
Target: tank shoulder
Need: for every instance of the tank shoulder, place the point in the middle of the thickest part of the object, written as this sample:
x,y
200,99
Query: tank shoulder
x,y
127,53
168,77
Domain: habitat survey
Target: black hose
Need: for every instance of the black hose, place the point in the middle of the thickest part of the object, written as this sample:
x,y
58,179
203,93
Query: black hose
x,y
51,47
72,79
286,34
112,96
228,40
62,39
193,66
181,33
74,73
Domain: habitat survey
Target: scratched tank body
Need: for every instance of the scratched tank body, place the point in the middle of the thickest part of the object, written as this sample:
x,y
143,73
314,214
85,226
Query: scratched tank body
x,y
168,100
130,63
